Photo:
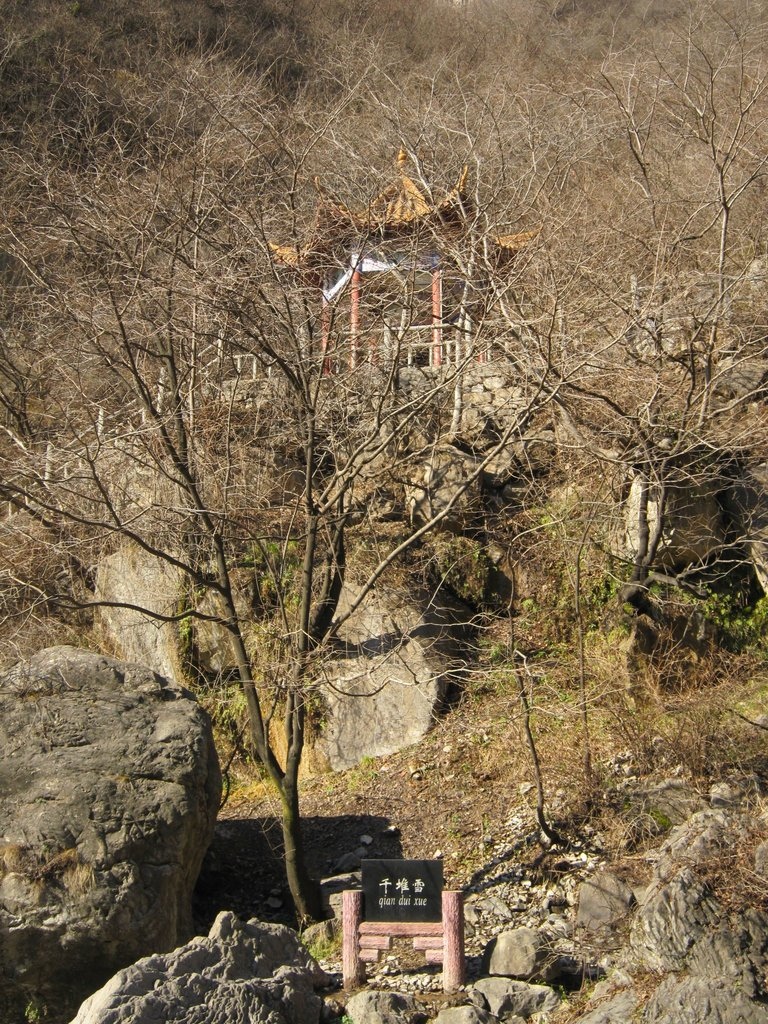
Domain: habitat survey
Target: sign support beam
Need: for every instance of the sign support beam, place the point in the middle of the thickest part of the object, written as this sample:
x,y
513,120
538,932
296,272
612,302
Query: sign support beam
x,y
441,941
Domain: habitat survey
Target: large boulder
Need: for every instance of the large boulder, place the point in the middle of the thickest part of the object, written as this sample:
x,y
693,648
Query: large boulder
x,y
524,953
692,529
252,972
503,997
396,662
389,676
441,488
110,788
375,1007
604,901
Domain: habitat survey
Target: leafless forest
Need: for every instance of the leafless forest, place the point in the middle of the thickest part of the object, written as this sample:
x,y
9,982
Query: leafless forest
x,y
164,377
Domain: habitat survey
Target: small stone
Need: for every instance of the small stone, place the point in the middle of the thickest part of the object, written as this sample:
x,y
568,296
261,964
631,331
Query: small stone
x,y
604,900
503,997
524,953
348,862
723,795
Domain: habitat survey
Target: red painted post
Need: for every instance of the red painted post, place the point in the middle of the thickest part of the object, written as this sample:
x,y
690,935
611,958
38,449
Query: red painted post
x,y
454,972
437,317
353,969
354,316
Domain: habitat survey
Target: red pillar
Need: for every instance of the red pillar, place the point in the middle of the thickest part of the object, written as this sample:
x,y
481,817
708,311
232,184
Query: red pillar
x,y
354,317
454,965
437,317
353,969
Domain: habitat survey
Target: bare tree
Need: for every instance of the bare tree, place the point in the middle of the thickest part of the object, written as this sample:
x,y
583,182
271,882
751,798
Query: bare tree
x,y
213,417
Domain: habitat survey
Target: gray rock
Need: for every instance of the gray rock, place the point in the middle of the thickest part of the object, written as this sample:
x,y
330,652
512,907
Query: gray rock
x,y
373,1007
322,932
136,577
701,839
692,528
495,906
761,859
604,901
502,997
671,920
524,953
612,1001
110,790
680,926
668,803
734,950
391,674
748,506
252,972
702,1001
398,658
721,794
443,484
349,861
466,1015
332,889
618,1009
720,956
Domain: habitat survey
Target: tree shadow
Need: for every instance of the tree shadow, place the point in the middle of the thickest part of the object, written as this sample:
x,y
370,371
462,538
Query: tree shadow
x,y
243,868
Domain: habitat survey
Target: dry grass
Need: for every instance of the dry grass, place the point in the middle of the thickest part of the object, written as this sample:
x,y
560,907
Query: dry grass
x,y
732,875
64,869
14,859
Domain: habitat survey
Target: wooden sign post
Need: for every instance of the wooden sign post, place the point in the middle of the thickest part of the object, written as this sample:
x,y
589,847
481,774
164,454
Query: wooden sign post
x,y
403,898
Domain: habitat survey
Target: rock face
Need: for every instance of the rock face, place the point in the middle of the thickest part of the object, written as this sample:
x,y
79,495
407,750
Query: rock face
x,y
682,927
391,677
110,788
712,960
252,972
394,667
692,529
441,489
749,508
134,576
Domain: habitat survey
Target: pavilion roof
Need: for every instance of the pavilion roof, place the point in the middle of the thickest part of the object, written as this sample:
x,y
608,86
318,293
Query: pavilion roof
x,y
401,208
403,204
515,242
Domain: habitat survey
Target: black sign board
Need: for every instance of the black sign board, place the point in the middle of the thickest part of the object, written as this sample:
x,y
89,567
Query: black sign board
x,y
402,890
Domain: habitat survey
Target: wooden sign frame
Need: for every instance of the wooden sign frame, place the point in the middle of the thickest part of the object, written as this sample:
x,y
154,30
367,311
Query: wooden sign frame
x,y
442,942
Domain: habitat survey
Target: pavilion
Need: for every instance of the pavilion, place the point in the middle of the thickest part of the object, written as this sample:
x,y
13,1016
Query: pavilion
x,y
389,267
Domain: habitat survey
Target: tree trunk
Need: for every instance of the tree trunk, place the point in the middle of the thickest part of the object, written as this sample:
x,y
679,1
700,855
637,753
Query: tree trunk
x,y
305,891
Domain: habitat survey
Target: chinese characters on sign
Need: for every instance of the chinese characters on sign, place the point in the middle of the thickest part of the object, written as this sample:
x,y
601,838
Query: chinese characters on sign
x,y
402,890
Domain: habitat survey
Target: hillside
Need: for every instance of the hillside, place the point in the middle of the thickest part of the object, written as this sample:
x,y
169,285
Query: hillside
x,y
467,793
394,376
